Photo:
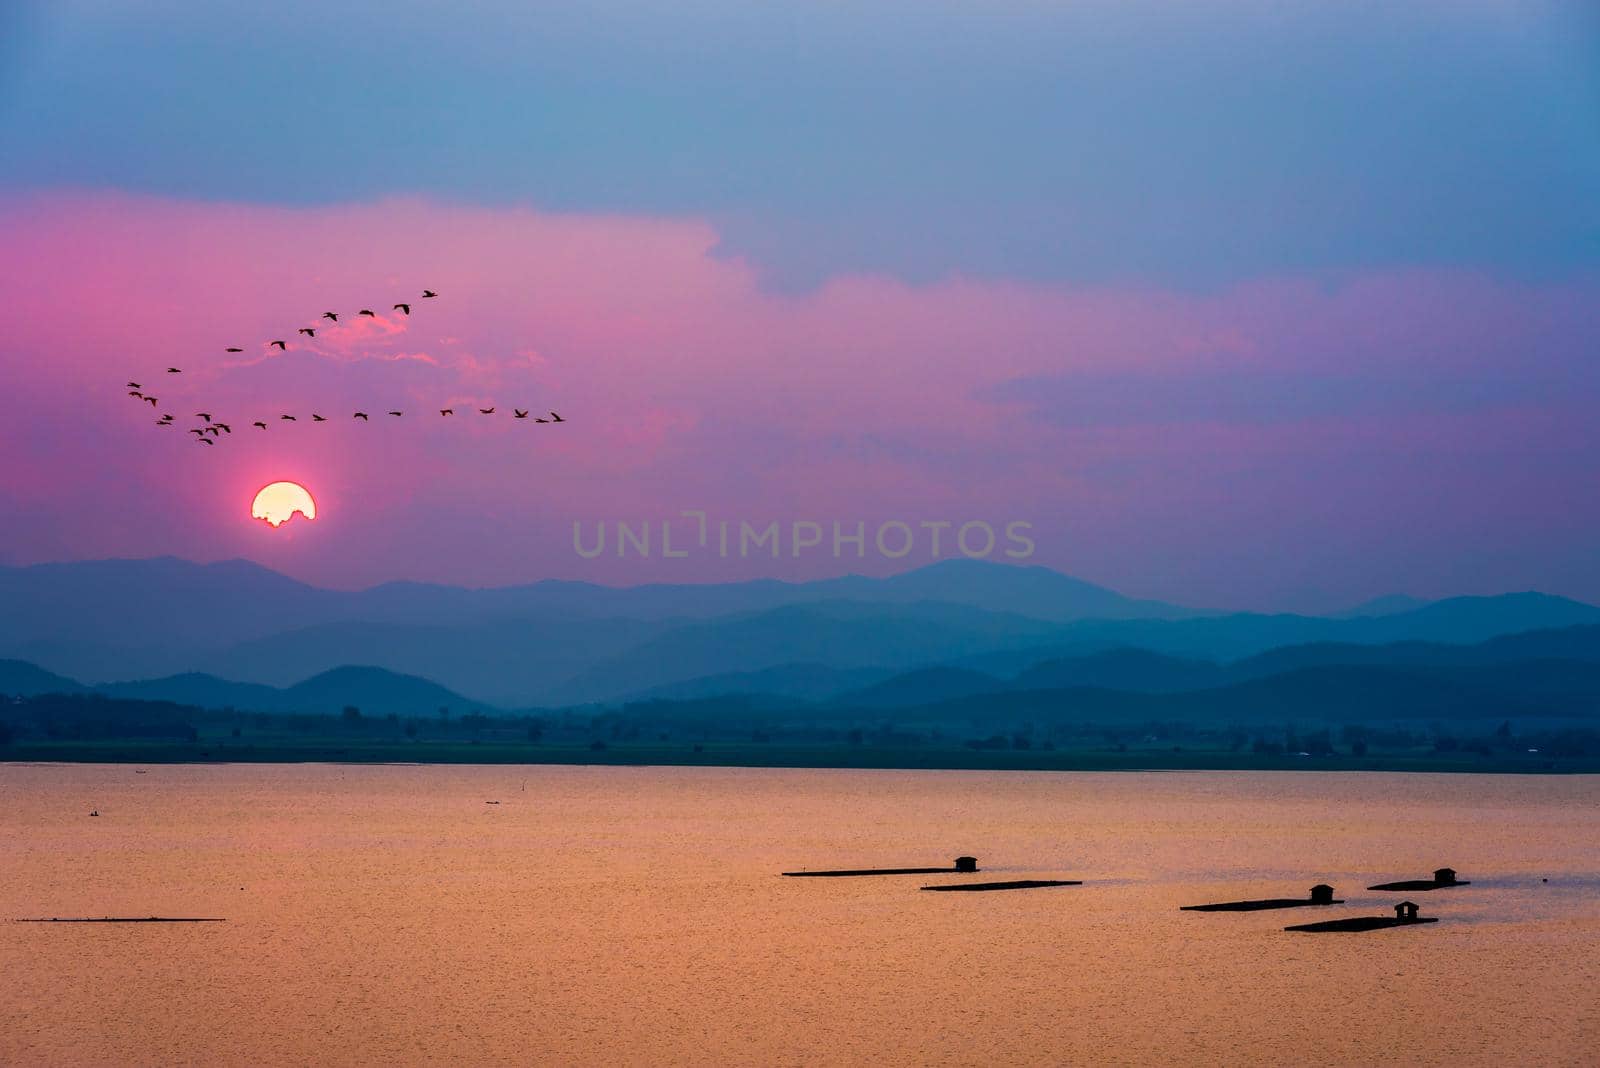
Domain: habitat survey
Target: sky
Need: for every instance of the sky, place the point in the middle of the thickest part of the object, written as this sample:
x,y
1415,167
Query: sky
x,y
1242,305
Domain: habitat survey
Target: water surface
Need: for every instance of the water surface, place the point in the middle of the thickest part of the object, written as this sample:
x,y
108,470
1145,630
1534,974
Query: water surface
x,y
613,915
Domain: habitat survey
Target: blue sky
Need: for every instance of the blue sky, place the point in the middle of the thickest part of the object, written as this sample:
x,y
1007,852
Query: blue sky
x,y
1185,144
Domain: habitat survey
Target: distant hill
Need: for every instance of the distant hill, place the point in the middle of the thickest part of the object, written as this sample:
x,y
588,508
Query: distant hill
x,y
1388,605
1305,696
804,682
1580,643
18,678
1136,670
1475,619
1402,679
1037,592
921,687
201,691
374,690
840,634
507,663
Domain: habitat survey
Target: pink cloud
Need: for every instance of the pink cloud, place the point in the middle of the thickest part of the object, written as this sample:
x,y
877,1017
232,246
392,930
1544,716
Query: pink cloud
x,y
686,385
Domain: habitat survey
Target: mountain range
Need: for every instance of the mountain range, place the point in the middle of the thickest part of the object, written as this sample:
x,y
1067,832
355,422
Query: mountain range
x,y
170,628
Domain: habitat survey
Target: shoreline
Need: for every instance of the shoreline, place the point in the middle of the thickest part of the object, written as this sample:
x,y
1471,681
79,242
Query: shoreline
x,y
735,755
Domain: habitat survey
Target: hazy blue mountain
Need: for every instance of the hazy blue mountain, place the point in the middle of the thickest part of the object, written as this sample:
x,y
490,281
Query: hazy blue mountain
x,y
200,691
1305,697
1037,592
375,691
18,678
151,602
805,682
1459,620
1138,670
841,634
1580,643
921,687
1566,643
567,642
1559,656
511,663
107,619
1475,619
1388,605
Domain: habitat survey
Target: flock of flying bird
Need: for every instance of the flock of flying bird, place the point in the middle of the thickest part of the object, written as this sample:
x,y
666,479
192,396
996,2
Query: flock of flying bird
x,y
215,428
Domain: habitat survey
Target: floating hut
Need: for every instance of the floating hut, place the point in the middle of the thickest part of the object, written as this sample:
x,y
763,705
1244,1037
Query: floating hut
x,y
1442,877
1405,915
963,865
1321,894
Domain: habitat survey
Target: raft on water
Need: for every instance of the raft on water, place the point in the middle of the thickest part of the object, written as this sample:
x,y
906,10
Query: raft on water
x,y
128,919
1321,894
1405,915
964,865
1442,877
1014,884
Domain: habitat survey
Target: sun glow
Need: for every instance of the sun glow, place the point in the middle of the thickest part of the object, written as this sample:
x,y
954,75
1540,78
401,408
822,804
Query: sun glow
x,y
278,502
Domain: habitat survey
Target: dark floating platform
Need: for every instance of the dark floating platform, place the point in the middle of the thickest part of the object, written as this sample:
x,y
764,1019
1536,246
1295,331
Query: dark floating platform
x,y
1361,923
1442,878
963,865
1321,894
128,919
1259,906
1015,884
1405,915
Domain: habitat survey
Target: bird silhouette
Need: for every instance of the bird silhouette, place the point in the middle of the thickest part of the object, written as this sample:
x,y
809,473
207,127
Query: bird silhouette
x,y
135,393
134,385
554,418
429,293
331,315
308,331
485,411
163,422
280,345
541,419
173,371
520,414
315,418
203,415
394,413
288,418
368,312
447,411
197,430
205,441
152,401
361,415
230,348
260,424
226,429
215,431
404,308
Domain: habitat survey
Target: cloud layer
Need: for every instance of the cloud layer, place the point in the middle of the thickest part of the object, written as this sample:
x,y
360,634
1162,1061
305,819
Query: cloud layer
x,y
1277,442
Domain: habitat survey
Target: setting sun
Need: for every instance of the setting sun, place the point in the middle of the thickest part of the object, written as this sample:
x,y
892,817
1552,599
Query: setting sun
x,y
278,502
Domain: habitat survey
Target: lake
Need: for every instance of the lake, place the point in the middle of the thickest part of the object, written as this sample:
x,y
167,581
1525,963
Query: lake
x,y
386,914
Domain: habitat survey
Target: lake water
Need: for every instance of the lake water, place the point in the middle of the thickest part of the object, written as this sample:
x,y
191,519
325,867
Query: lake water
x,y
388,915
